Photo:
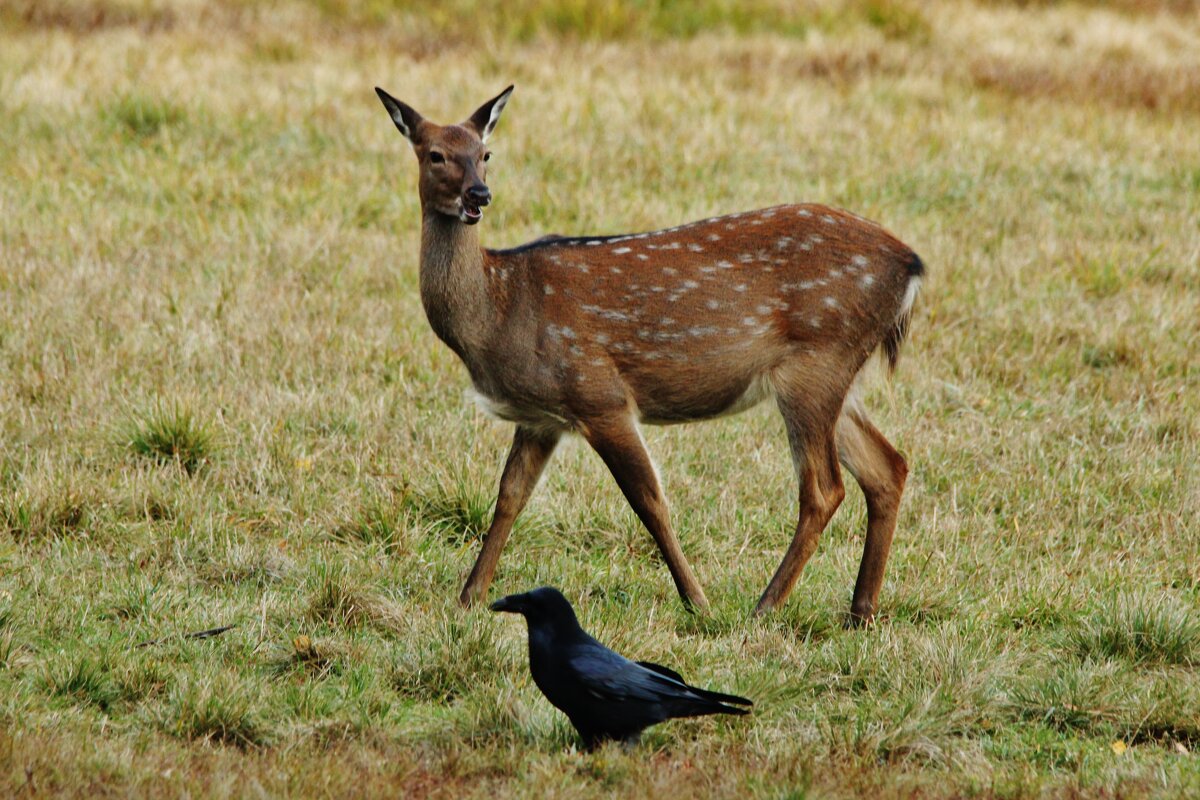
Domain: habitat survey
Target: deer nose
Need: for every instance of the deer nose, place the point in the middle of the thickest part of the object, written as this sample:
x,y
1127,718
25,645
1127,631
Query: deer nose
x,y
478,195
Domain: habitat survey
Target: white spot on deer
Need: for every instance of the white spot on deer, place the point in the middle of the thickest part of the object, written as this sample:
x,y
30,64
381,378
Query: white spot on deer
x,y
702,330
652,355
831,302
770,212
763,309
651,247
643,257
689,284
867,281
750,322
859,261
566,332
814,322
657,289
804,212
598,362
576,350
783,243
806,246
602,338
593,242
756,222
828,220
548,289
641,236
712,305
741,287
724,265
615,270
728,226
806,285
746,258
816,238
712,237
835,273
695,248
670,271
620,251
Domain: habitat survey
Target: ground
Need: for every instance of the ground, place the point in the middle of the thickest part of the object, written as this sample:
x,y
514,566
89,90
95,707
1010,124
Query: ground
x,y
220,402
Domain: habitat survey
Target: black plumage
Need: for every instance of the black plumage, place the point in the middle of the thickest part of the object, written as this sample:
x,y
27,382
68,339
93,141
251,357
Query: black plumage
x,y
605,695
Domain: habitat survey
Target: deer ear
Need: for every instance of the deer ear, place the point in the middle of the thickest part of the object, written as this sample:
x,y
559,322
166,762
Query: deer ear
x,y
484,120
403,115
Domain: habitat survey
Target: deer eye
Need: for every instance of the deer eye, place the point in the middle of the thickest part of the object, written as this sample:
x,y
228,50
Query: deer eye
x,y
436,157
487,156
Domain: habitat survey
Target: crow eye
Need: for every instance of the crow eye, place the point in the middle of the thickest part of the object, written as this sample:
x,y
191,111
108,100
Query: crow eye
x,y
487,156
437,158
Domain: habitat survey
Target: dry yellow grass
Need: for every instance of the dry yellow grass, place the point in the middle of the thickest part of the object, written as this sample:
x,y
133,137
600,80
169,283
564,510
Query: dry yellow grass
x,y
208,236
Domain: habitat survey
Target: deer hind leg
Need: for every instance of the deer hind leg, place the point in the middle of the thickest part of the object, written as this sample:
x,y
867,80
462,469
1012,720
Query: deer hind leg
x,y
619,443
531,449
810,431
881,472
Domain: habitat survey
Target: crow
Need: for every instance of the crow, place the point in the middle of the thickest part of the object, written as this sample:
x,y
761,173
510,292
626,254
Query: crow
x,y
605,695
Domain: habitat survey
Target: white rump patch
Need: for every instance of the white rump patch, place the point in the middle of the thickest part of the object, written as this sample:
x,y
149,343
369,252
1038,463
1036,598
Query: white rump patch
x,y
910,296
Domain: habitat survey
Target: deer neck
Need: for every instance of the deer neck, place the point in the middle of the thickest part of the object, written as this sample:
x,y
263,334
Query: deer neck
x,y
454,287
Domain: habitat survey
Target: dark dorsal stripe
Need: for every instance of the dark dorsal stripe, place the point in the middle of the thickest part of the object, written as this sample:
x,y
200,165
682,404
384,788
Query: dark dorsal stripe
x,y
556,240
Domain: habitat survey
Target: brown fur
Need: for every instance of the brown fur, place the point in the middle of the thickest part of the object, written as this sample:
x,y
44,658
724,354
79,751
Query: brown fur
x,y
594,335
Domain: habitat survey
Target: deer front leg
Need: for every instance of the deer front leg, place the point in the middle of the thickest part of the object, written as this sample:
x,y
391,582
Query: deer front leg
x,y
620,445
531,449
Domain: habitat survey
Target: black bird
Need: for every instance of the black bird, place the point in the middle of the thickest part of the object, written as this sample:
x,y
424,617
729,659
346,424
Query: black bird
x,y
605,695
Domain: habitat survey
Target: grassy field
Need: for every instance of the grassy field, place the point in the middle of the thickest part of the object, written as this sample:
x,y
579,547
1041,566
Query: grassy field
x,y
221,404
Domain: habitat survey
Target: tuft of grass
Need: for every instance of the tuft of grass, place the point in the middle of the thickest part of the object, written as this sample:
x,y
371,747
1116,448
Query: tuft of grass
x,y
1139,628
59,511
83,678
141,117
456,516
171,433
218,709
378,519
454,655
337,599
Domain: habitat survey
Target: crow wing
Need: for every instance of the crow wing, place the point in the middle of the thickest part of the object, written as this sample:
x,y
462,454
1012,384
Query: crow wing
x,y
611,677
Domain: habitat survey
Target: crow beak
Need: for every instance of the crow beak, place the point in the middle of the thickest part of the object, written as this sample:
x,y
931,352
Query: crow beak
x,y
505,604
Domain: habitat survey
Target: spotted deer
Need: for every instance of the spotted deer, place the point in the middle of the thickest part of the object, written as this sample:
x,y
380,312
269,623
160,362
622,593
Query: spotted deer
x,y
598,334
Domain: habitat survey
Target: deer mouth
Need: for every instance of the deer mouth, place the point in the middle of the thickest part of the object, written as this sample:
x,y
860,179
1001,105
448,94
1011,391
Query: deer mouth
x,y
468,212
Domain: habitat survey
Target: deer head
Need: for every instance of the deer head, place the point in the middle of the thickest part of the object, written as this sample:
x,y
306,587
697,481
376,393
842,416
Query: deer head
x,y
453,158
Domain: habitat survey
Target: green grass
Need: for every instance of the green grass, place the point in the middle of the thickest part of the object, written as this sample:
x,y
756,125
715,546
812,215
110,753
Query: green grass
x,y
220,402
